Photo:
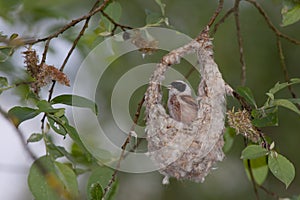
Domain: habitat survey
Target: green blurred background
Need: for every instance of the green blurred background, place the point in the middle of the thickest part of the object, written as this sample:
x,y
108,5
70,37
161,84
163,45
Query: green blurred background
x,y
229,181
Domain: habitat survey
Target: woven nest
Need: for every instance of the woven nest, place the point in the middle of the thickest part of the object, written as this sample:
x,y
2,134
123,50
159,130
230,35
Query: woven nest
x,y
188,151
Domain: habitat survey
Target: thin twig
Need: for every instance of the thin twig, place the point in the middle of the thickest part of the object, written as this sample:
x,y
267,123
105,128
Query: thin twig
x,y
252,179
124,145
268,192
264,142
116,24
284,68
256,185
282,61
216,13
51,90
75,42
242,101
45,52
222,20
70,24
270,24
240,41
278,43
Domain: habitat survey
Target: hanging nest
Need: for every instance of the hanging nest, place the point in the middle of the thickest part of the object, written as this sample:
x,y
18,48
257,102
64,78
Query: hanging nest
x,y
188,151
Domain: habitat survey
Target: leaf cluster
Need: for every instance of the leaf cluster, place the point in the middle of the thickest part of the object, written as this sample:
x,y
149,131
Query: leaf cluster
x,y
59,179
261,157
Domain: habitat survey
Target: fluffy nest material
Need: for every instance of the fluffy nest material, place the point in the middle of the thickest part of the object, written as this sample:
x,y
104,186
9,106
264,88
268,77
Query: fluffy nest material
x,y
188,151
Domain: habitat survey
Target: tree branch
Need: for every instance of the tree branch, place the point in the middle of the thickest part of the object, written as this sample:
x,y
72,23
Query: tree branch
x,y
252,179
124,145
216,13
270,24
278,43
70,24
116,25
52,181
240,41
284,68
222,20
75,42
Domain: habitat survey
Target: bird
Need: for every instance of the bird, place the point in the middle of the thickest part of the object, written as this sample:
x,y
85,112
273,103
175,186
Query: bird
x,y
182,106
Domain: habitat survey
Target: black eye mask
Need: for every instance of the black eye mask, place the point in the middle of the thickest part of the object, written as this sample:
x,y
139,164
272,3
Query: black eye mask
x,y
179,86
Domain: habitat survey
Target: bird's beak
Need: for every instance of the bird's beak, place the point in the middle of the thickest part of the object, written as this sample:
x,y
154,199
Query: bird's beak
x,y
169,87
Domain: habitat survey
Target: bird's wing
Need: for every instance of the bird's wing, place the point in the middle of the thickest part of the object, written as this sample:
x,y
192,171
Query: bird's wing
x,y
190,101
175,110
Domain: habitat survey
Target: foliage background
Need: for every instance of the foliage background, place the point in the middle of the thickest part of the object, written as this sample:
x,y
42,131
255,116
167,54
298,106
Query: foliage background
x,y
39,18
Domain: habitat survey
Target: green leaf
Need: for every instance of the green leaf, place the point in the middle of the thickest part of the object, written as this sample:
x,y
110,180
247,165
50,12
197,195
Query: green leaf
x,y
96,191
38,183
62,126
286,104
35,137
64,152
296,100
58,152
3,83
75,136
290,12
13,36
72,132
101,29
57,124
229,136
246,93
5,53
259,169
153,18
53,151
56,182
79,171
19,114
101,176
253,151
68,178
271,96
294,198
114,10
46,107
162,6
265,117
59,112
74,100
78,154
280,86
281,168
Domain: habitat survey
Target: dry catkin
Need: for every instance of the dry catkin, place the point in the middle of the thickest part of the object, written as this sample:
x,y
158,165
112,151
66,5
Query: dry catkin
x,y
42,74
188,151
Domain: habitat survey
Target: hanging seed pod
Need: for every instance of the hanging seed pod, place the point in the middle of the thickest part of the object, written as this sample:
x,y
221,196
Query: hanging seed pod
x,y
188,151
